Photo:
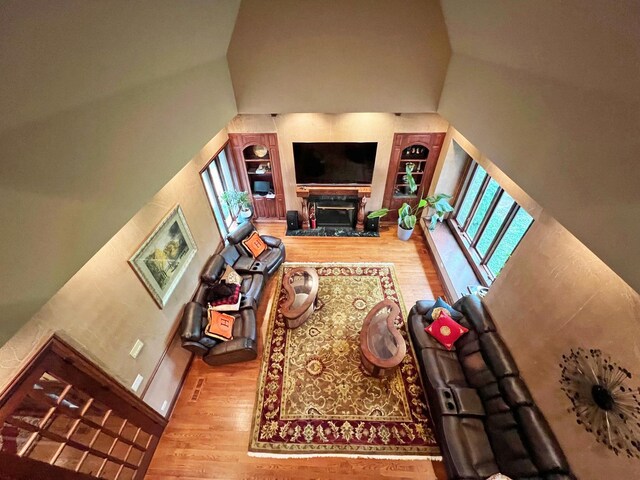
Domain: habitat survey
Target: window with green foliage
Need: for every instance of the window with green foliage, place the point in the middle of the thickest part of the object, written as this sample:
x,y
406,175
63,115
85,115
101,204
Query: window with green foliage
x,y
488,222
217,179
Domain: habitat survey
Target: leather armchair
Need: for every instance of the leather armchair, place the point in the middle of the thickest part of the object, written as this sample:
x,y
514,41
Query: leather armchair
x,y
268,261
243,347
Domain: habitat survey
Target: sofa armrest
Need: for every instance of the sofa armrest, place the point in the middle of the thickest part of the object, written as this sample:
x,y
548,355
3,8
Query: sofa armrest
x,y
212,269
239,349
240,233
192,322
272,242
195,347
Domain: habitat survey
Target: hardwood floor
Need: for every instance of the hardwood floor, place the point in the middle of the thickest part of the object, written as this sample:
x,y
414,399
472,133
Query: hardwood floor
x,y
207,437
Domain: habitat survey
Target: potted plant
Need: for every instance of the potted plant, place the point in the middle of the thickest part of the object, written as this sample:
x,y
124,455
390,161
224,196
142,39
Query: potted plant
x,y
408,215
238,203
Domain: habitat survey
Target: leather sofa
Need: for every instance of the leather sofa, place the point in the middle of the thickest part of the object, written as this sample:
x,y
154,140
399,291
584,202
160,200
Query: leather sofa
x,y
254,273
485,419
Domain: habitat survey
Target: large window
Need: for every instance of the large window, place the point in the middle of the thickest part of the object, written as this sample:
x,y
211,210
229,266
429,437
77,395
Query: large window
x,y
217,178
488,223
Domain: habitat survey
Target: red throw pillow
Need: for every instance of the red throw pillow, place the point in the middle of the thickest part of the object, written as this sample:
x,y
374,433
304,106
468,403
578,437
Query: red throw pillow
x,y
446,330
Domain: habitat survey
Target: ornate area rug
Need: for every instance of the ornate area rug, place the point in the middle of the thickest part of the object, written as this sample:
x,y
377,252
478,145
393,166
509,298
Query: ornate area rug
x,y
313,396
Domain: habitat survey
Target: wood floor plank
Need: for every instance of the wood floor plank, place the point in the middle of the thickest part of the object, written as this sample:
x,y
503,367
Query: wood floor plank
x,y
208,438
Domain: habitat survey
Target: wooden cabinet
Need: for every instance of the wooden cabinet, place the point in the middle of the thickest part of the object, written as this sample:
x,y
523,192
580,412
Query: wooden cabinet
x,y
257,161
420,150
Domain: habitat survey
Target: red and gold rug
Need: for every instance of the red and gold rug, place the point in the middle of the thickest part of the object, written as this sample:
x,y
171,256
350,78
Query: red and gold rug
x,y
313,396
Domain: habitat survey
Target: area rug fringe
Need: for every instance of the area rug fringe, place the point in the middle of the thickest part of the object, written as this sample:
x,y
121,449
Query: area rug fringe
x,y
431,458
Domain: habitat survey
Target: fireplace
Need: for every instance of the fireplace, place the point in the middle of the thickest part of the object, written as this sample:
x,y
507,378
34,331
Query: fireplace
x,y
345,204
335,210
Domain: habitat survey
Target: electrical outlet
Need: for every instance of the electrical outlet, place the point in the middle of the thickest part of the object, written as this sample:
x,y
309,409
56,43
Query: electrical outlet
x,y
135,351
137,382
164,406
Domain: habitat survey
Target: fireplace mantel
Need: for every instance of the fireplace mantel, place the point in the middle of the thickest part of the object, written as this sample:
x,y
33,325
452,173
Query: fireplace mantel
x,y
361,191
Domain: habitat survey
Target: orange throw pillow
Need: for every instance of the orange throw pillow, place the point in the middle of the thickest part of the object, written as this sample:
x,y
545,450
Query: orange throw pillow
x,y
220,326
254,244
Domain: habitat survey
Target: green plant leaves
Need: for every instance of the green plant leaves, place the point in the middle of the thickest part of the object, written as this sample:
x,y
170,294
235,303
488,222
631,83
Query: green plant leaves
x,y
378,213
404,210
409,222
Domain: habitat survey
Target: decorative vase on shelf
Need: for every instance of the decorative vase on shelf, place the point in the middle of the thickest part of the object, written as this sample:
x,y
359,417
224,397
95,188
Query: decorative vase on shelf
x,y
260,151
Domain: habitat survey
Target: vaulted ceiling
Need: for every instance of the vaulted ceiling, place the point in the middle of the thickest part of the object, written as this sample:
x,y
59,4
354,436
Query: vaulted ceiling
x,y
101,103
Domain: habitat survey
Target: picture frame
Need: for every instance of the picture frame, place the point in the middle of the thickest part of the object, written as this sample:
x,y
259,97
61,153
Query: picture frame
x,y
163,257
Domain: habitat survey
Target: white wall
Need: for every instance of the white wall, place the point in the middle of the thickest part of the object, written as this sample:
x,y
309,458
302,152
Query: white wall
x,y
104,307
346,127
338,56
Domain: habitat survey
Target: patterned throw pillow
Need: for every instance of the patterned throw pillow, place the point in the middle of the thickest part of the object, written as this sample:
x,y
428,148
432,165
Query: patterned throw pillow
x,y
440,305
446,330
220,326
231,276
254,244
498,476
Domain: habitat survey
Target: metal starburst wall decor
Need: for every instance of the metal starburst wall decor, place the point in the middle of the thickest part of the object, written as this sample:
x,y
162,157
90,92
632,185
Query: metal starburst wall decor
x,y
602,401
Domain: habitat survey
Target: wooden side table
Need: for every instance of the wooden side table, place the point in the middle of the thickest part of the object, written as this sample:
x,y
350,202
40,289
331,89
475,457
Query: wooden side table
x,y
301,285
382,348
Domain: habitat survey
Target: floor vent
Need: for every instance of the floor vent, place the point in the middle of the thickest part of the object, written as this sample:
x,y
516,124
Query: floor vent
x,y
196,391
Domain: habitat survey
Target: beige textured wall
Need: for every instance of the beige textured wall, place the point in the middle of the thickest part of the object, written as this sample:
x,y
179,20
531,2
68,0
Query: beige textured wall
x,y
553,295
104,307
338,56
346,127
101,103
575,151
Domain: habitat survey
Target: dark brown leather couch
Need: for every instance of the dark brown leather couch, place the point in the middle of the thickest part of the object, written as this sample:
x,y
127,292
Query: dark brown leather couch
x,y
485,418
254,274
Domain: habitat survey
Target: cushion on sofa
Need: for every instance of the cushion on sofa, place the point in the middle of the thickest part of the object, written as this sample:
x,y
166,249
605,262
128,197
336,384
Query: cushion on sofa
x,y
515,392
510,452
497,355
442,368
254,244
440,304
473,310
230,254
446,330
489,391
476,371
220,326
496,405
468,343
543,446
467,452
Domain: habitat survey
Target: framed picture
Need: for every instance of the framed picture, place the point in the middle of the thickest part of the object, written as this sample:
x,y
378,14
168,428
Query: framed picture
x,y
164,256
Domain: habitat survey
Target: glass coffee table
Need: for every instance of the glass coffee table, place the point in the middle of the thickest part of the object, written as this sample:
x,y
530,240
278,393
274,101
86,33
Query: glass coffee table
x,y
382,348
301,285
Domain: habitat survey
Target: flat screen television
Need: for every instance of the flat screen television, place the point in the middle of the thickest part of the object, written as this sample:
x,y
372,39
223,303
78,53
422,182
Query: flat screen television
x,y
344,163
